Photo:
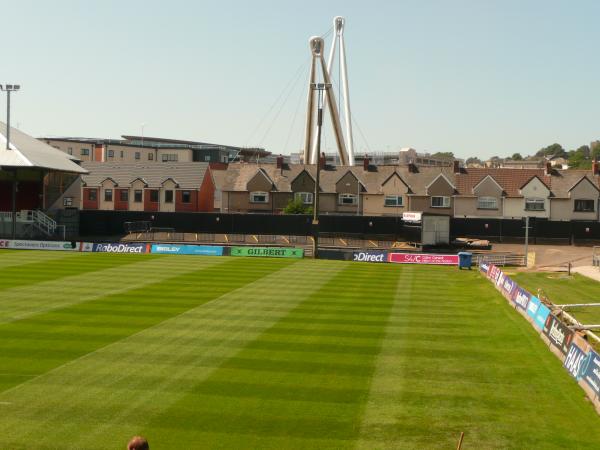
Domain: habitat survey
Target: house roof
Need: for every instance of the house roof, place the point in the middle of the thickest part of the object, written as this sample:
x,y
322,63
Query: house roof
x,y
510,180
27,151
236,177
188,175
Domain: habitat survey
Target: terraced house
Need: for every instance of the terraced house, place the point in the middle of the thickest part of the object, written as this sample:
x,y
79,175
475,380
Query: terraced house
x,y
393,189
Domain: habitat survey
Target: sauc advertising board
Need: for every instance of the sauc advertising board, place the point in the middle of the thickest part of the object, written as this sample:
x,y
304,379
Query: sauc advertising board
x,y
423,258
170,249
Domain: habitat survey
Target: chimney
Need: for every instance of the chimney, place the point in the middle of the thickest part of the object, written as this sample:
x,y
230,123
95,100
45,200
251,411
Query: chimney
x,y
366,162
412,168
456,166
595,168
548,170
322,161
280,162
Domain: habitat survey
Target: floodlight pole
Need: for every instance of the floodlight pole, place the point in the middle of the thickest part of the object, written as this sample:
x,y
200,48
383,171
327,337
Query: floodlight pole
x,y
526,241
8,88
319,87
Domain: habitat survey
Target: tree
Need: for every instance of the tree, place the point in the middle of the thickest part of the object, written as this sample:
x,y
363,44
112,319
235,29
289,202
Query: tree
x,y
473,160
516,157
444,154
297,206
585,150
552,150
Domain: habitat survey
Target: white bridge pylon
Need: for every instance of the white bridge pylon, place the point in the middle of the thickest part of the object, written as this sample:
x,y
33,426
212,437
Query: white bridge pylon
x,y
345,144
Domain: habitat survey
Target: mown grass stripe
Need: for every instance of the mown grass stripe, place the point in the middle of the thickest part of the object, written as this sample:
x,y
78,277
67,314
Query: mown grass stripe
x,y
12,258
24,301
84,382
302,365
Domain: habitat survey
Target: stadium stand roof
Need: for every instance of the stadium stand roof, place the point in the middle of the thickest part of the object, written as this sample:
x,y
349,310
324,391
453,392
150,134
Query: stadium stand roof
x,y
28,152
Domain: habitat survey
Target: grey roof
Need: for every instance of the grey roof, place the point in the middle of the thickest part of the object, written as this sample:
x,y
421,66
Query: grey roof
x,y
27,151
236,177
188,175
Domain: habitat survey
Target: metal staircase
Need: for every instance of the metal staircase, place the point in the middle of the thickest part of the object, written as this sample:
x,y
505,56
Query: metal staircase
x,y
29,224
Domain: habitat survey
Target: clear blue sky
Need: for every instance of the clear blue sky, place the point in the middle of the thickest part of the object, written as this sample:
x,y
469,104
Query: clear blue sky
x,y
475,77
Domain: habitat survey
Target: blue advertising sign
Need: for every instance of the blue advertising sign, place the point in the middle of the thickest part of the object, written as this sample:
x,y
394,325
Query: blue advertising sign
x,y
590,371
522,298
574,361
172,249
369,256
507,288
121,248
538,312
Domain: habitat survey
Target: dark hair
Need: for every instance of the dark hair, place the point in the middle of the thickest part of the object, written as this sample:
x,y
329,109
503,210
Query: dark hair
x,y
138,443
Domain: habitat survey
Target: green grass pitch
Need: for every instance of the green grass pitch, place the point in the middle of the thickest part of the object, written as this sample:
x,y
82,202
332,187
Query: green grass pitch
x,y
222,352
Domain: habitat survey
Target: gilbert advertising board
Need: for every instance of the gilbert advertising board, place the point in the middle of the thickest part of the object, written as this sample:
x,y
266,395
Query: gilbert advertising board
x,y
590,371
538,312
39,245
272,252
378,257
522,299
169,249
121,248
558,333
423,258
574,360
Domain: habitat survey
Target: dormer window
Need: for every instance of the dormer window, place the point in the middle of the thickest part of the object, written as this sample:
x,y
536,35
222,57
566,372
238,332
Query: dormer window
x,y
347,199
259,197
305,197
535,204
487,203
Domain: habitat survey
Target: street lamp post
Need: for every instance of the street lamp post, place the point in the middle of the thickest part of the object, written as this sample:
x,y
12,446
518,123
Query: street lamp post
x,y
8,88
319,87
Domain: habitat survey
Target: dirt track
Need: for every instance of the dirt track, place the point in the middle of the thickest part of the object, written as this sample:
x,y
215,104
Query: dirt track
x,y
552,256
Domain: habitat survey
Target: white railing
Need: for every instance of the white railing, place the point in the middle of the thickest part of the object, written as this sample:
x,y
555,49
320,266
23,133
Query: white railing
x,y
36,218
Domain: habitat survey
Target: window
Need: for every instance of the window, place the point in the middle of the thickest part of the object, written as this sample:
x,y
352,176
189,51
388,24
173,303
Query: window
x,y
124,195
347,199
92,195
121,154
150,156
487,203
137,195
137,155
206,158
168,196
584,205
186,196
85,152
111,153
154,196
259,197
108,195
306,197
440,202
70,151
534,204
169,157
393,200
68,201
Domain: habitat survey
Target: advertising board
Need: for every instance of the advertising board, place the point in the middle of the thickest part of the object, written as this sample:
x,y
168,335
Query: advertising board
x,y
272,252
590,371
573,361
422,258
484,268
39,245
500,281
120,247
171,249
370,256
558,333
508,287
522,299
493,273
538,312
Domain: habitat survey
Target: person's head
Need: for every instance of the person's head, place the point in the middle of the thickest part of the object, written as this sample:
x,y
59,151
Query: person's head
x,y
138,443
